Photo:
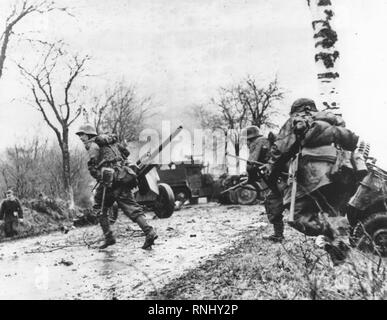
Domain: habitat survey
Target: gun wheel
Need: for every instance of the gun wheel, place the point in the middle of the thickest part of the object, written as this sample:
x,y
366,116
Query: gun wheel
x,y
371,234
246,195
165,203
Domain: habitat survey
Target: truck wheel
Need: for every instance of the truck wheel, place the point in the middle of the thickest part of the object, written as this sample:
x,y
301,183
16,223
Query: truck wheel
x,y
371,234
246,195
113,213
165,203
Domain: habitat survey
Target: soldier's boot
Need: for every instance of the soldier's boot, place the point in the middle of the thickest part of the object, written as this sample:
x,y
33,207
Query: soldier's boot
x,y
278,235
150,234
109,238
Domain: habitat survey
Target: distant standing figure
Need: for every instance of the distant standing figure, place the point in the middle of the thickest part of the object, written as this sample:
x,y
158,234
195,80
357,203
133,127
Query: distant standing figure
x,y
12,213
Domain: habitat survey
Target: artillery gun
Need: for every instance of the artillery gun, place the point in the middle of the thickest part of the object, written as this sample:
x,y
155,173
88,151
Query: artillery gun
x,y
158,196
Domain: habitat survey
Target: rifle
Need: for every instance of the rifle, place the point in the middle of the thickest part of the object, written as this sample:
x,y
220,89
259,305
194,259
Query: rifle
x,y
294,187
252,162
270,184
240,184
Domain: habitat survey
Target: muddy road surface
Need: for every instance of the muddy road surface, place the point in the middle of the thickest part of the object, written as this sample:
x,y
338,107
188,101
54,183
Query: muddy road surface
x,y
70,266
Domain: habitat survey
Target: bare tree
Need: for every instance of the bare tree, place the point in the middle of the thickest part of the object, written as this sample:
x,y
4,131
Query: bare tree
x,y
55,95
120,111
238,106
20,10
260,102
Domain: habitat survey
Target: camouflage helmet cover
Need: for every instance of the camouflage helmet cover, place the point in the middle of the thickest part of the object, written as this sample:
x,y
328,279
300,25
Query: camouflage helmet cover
x,y
252,132
87,129
303,104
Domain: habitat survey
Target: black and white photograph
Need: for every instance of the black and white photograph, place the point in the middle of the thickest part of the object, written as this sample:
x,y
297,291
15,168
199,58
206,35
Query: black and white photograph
x,y
196,150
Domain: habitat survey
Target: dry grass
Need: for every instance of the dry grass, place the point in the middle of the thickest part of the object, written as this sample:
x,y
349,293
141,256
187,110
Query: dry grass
x,y
258,269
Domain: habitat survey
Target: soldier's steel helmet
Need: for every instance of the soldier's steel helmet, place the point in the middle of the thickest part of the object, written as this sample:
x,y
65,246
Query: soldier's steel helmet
x,y
252,132
303,104
87,129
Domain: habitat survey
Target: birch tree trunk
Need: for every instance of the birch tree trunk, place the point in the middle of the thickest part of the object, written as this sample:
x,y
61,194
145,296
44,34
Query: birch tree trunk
x,y
326,54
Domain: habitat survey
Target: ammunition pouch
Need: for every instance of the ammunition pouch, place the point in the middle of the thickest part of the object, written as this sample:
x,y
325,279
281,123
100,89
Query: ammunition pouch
x,y
107,176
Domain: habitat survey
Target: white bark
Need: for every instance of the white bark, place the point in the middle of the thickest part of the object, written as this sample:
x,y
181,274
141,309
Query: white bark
x,y
326,55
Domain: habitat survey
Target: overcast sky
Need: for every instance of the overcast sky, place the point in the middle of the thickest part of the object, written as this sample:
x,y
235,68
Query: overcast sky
x,y
181,51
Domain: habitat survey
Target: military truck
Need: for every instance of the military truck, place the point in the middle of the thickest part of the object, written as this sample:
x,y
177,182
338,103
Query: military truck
x,y
187,180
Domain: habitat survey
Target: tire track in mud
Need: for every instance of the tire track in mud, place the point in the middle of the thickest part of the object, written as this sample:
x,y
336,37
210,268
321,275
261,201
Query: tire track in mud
x,y
59,266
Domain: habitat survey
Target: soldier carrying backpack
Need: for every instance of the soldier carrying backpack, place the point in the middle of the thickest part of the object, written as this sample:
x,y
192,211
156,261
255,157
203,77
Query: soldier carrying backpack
x,y
319,148
107,164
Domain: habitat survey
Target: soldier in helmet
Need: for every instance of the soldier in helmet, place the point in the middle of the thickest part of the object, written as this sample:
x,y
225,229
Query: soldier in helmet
x,y
258,146
322,143
105,152
259,150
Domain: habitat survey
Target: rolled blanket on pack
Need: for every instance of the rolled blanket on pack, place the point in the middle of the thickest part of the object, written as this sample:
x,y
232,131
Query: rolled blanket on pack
x,y
322,133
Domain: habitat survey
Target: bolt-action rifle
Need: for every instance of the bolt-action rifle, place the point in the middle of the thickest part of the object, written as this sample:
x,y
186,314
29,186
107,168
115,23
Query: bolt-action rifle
x,y
261,173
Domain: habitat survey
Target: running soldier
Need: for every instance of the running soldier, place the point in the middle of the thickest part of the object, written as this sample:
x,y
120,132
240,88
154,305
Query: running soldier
x,y
324,147
106,152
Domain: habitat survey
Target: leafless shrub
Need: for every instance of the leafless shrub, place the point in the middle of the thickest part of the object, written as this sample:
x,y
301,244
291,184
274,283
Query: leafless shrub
x,y
34,167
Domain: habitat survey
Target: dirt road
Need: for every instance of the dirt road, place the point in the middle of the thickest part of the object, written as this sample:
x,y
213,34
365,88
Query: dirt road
x,y
69,266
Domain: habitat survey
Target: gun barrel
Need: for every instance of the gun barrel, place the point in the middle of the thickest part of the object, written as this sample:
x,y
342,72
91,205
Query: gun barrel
x,y
140,163
245,160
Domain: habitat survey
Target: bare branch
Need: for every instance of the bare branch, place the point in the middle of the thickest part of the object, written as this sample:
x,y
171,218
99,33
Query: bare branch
x,y
41,109
17,14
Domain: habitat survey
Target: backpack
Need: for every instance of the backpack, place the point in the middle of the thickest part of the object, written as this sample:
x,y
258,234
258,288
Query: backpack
x,y
114,151
327,129
110,141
